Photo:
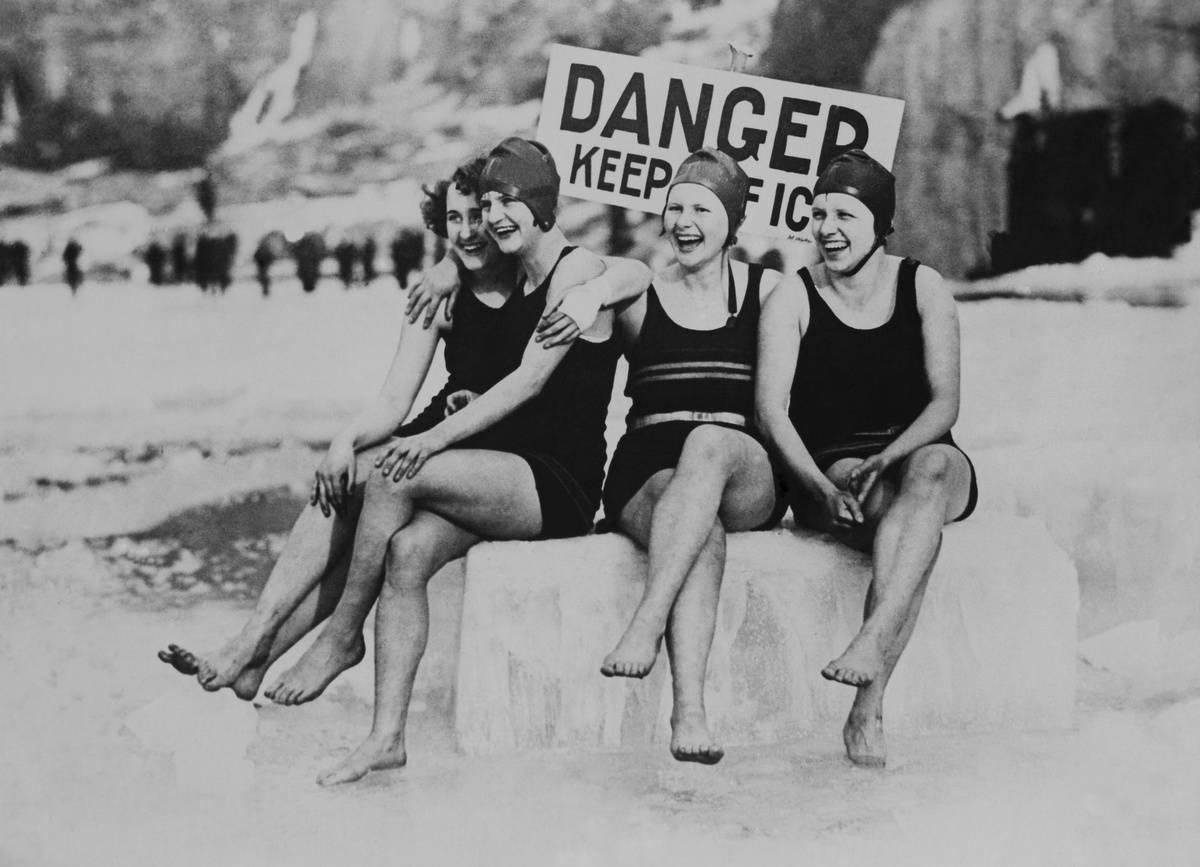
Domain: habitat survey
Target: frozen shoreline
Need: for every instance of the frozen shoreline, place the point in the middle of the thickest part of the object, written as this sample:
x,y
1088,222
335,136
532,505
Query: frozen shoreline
x,y
131,406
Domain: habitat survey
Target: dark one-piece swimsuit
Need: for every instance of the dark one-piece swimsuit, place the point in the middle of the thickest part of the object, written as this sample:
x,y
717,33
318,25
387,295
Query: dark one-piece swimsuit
x,y
857,389
559,433
681,378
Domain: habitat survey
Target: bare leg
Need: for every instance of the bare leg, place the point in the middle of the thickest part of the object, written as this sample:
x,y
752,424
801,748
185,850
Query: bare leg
x,y
932,490
312,610
862,734
933,480
388,506
415,555
313,550
719,470
689,638
339,646
485,494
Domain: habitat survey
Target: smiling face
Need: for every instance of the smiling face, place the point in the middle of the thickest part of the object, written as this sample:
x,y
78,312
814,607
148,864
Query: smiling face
x,y
509,221
695,223
465,232
844,229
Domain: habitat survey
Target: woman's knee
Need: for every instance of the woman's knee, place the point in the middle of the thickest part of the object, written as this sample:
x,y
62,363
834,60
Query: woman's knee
x,y
706,447
928,473
411,561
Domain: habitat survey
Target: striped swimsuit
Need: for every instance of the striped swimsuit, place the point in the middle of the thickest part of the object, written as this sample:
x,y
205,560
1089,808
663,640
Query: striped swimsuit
x,y
679,379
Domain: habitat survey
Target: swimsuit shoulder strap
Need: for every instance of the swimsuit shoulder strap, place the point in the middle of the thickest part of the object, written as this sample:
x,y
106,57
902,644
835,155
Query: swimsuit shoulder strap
x,y
906,286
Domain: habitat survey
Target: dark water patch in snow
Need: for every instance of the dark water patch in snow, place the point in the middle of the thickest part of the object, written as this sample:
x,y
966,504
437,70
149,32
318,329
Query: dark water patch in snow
x,y
88,481
250,448
1065,296
216,551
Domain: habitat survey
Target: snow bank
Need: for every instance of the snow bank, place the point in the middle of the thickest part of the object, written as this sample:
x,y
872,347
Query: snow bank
x,y
1127,514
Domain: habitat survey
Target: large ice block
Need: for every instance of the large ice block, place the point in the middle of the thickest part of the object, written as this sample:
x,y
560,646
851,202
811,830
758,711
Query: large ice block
x,y
995,646
1126,515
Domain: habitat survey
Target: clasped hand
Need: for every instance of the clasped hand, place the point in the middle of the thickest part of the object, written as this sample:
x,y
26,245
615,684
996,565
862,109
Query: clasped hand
x,y
844,507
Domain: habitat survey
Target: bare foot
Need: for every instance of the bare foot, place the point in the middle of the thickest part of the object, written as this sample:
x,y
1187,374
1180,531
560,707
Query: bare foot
x,y
247,683
865,744
372,755
860,664
181,659
317,668
635,653
221,668
185,662
692,742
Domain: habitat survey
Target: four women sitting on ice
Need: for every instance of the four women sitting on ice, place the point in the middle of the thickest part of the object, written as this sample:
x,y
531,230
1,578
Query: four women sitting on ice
x,y
831,391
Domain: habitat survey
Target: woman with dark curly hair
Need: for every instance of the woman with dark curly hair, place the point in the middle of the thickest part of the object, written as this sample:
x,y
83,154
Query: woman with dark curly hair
x,y
472,493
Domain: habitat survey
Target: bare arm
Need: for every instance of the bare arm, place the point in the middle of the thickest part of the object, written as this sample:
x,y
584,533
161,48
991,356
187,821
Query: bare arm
x,y
409,367
769,281
517,388
779,334
439,285
621,281
336,474
625,279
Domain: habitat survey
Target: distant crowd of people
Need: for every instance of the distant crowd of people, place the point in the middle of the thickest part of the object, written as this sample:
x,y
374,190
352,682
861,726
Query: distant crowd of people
x,y
211,260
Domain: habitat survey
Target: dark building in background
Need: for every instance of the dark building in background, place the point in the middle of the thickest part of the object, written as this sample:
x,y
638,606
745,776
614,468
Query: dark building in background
x,y
1118,182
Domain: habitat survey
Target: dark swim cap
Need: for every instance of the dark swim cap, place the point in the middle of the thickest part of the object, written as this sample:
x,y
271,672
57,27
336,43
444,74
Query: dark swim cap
x,y
856,174
523,169
720,173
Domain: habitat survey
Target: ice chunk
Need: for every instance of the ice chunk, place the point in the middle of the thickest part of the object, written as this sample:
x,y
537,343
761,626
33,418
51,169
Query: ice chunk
x,y
995,646
1179,727
1126,514
1132,649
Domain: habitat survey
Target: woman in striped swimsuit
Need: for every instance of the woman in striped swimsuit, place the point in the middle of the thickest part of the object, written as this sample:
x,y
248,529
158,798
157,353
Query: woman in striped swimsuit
x,y
690,467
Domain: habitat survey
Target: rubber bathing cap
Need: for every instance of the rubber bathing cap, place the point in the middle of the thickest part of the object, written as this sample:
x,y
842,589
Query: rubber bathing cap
x,y
720,173
523,169
856,174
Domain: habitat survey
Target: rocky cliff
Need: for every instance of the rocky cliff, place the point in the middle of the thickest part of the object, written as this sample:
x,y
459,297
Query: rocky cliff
x,y
153,83
957,62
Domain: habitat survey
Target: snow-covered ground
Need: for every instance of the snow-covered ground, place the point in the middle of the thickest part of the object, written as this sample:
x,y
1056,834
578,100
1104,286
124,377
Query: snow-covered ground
x,y
152,443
